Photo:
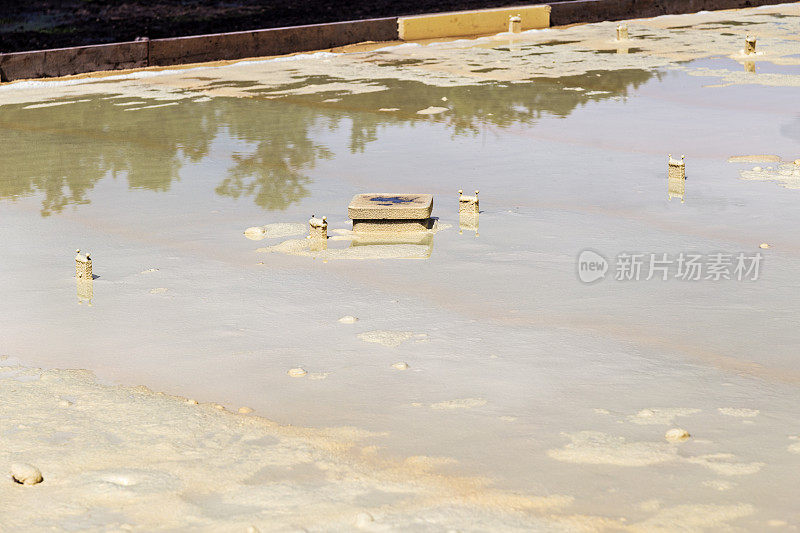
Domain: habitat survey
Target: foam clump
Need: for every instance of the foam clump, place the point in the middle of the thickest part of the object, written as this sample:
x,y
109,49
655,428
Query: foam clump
x,y
592,447
741,412
386,338
461,403
273,231
432,110
256,233
786,174
297,372
660,416
726,464
795,446
758,158
363,520
677,435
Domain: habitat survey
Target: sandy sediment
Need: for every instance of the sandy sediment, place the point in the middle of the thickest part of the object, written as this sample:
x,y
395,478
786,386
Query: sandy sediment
x,y
117,457
128,458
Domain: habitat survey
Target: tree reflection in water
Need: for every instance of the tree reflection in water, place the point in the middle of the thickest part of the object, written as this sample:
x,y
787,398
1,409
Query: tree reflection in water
x,y
63,151
273,174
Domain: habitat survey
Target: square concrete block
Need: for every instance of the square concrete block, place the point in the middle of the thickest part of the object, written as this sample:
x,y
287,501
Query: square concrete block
x,y
387,206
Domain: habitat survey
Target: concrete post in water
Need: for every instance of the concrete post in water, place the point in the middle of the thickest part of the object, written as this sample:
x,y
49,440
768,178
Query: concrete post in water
x,y
676,178
318,228
83,266
622,32
467,205
749,45
515,24
317,234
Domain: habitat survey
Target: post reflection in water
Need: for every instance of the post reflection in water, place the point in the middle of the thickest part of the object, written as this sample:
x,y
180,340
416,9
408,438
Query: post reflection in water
x,y
468,222
676,178
85,289
677,189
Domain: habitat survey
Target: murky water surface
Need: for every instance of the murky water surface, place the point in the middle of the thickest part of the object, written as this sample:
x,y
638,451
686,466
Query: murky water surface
x,y
512,359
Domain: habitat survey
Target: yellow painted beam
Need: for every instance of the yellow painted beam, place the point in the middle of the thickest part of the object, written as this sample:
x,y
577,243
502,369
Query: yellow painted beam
x,y
478,22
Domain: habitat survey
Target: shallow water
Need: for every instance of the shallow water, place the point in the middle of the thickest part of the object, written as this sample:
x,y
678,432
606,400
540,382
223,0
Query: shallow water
x,y
511,355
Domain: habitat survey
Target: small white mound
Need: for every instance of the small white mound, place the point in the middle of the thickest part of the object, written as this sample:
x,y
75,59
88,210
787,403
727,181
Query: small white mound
x,y
256,233
26,474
